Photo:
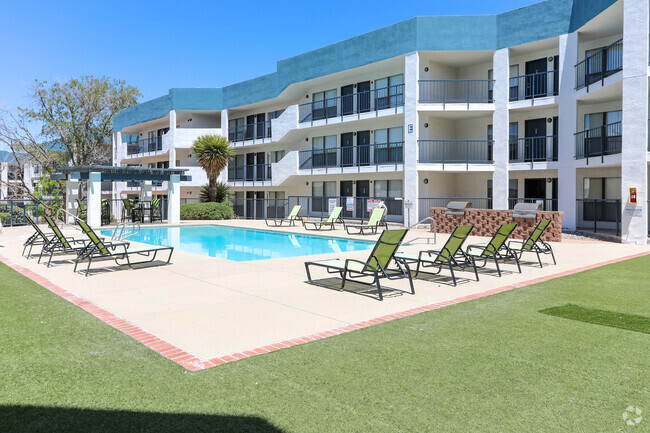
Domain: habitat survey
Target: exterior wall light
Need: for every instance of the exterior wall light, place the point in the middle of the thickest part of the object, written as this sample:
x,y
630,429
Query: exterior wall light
x,y
426,125
426,181
426,69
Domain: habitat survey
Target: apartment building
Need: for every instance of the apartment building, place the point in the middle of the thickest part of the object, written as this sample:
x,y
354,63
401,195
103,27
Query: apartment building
x,y
12,175
545,103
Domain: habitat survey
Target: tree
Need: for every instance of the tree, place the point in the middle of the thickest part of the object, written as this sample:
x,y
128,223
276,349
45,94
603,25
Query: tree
x,y
67,122
213,153
222,193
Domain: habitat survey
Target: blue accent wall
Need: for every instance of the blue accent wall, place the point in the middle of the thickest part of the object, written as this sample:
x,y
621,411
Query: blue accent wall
x,y
539,21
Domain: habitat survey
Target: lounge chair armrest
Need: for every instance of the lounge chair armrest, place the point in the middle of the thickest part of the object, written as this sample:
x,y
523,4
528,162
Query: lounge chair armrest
x,y
516,242
358,261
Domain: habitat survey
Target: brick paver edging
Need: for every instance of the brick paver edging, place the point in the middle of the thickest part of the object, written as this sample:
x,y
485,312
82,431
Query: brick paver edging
x,y
193,363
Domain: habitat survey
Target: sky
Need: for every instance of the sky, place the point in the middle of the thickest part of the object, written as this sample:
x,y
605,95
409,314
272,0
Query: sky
x,y
159,45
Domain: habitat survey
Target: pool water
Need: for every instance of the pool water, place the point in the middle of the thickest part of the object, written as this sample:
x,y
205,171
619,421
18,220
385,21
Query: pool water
x,y
241,244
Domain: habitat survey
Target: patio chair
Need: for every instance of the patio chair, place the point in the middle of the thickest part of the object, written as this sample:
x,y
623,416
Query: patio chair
x,y
291,219
450,255
376,220
156,210
99,250
318,224
130,210
534,243
38,238
60,243
496,249
375,267
82,210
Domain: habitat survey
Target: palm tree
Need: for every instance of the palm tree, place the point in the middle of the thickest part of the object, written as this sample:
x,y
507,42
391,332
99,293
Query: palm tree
x,y
213,153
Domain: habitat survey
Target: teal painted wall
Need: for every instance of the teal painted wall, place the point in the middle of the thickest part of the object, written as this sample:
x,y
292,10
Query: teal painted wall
x,y
539,21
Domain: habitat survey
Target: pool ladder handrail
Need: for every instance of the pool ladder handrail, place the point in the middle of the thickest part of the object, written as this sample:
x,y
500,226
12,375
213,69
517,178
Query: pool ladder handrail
x,y
435,233
125,230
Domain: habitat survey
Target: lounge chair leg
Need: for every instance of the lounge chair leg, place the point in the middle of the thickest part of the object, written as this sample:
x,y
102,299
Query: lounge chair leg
x,y
517,260
381,297
50,259
539,258
308,273
453,276
344,275
496,262
552,255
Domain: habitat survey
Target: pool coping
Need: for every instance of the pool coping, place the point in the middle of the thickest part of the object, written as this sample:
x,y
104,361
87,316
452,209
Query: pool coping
x,y
194,363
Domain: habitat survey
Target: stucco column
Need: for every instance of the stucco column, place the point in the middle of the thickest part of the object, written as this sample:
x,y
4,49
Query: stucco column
x,y
411,186
146,192
223,176
172,133
4,178
71,196
94,199
567,118
500,128
634,165
174,199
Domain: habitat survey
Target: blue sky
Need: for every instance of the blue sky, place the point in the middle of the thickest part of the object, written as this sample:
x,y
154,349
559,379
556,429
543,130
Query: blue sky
x,y
162,44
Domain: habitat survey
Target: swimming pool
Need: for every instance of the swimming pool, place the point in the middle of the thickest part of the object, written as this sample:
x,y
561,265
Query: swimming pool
x,y
241,244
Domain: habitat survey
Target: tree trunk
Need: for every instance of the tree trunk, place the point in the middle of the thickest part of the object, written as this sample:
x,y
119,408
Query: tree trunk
x,y
213,189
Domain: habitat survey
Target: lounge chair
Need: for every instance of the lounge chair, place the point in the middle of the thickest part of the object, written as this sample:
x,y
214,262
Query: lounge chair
x,y
131,210
59,243
376,266
534,243
98,250
291,219
38,238
450,255
376,220
334,217
82,211
496,249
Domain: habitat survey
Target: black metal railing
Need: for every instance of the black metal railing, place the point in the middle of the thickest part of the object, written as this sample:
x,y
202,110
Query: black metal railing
x,y
146,145
600,141
250,172
548,204
352,156
260,208
456,91
599,215
455,151
354,208
531,86
352,104
259,131
13,211
426,203
533,149
599,65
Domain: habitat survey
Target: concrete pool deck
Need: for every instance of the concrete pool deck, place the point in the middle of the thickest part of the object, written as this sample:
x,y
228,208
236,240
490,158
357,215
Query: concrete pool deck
x,y
201,311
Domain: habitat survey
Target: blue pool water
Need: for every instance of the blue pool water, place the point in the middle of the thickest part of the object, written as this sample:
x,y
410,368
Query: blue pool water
x,y
241,245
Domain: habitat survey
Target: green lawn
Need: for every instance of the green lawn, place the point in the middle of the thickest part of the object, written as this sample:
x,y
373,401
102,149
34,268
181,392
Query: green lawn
x,y
495,364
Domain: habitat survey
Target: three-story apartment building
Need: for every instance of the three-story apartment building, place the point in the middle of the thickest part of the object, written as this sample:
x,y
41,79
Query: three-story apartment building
x,y
545,103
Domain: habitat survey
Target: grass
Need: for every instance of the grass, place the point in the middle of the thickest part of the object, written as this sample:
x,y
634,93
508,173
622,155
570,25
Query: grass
x,y
631,322
492,365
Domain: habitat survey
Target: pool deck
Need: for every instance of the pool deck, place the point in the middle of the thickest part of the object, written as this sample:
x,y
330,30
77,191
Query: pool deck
x,y
201,311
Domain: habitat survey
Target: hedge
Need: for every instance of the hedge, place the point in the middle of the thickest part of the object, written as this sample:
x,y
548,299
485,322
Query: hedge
x,y
206,211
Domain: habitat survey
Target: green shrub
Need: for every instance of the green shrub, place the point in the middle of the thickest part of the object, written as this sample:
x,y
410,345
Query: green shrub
x,y
206,211
4,218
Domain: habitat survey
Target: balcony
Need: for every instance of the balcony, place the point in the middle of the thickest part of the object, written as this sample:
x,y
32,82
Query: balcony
x,y
599,65
259,132
600,141
145,146
455,152
456,91
249,173
533,149
534,86
370,101
338,159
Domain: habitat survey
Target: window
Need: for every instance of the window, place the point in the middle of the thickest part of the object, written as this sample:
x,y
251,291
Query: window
x,y
275,156
490,137
603,133
324,151
236,167
490,85
324,104
389,92
275,204
513,188
236,129
514,82
605,190
272,115
389,145
320,191
513,140
389,190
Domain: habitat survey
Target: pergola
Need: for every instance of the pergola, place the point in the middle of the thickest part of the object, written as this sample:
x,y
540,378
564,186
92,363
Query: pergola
x,y
95,174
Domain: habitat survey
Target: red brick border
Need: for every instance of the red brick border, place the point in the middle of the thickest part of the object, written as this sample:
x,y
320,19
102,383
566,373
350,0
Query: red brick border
x,y
193,363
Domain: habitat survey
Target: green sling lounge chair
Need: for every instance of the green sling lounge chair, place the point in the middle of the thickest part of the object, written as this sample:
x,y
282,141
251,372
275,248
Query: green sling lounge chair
x,y
496,249
59,243
534,243
38,238
131,210
291,219
98,250
376,267
82,211
156,210
450,255
376,220
320,223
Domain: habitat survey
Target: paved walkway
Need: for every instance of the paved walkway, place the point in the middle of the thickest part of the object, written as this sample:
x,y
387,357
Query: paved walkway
x,y
205,311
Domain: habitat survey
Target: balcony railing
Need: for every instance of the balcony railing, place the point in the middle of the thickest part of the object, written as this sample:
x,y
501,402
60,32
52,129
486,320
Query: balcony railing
x,y
548,204
353,207
147,145
456,91
352,104
532,86
533,149
599,214
352,156
600,141
249,173
455,151
600,65
259,131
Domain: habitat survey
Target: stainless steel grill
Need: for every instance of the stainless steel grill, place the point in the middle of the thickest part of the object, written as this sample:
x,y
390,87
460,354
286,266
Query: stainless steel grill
x,y
526,210
457,207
